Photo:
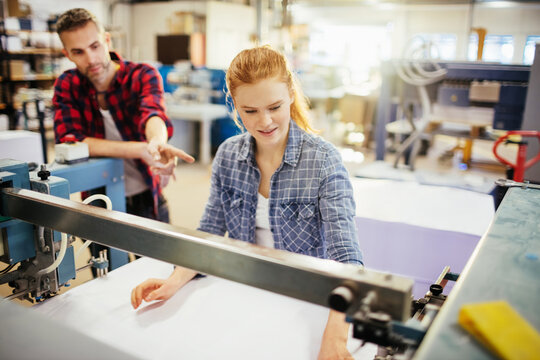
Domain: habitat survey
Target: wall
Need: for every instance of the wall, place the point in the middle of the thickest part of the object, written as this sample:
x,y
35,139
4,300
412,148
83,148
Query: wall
x,y
149,20
228,30
405,21
44,8
519,22
440,19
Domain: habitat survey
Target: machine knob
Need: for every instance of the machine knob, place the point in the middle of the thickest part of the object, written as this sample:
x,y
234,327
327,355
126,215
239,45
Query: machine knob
x,y
341,298
436,289
43,173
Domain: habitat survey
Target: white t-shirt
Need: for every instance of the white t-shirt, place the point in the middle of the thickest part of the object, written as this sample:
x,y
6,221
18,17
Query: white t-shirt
x,y
133,179
263,235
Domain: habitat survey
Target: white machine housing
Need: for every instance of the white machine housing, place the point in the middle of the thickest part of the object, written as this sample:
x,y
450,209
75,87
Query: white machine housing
x,y
71,152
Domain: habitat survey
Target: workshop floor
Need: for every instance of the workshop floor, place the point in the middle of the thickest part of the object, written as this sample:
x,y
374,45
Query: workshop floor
x,y
188,194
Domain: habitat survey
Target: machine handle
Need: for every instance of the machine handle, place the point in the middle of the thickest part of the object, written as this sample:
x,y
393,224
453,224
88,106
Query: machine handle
x,y
521,164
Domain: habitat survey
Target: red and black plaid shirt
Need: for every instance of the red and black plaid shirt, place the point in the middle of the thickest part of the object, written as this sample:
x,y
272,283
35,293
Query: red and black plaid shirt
x,y
135,95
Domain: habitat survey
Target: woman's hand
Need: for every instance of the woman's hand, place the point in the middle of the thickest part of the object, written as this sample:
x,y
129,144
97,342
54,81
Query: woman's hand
x,y
160,289
152,289
334,340
334,349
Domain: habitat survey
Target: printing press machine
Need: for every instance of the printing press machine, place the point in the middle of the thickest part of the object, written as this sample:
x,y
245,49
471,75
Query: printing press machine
x,y
379,305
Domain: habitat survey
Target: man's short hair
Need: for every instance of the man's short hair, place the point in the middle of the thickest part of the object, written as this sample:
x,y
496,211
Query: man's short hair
x,y
76,18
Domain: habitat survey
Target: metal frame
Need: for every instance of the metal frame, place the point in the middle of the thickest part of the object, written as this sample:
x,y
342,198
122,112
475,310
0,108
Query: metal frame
x,y
299,276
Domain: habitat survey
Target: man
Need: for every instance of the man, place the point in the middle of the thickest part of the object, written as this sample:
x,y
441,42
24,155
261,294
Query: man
x,y
116,107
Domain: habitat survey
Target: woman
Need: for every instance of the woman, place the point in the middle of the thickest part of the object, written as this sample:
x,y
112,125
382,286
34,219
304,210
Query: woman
x,y
277,185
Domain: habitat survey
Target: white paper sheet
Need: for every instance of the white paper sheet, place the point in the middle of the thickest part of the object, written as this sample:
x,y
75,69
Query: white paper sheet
x,y
209,318
434,207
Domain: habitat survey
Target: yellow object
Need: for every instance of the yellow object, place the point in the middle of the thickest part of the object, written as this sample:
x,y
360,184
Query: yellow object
x,y
501,329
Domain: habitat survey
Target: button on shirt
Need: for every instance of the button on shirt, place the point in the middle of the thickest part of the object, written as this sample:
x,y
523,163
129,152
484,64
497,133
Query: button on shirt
x,y
311,204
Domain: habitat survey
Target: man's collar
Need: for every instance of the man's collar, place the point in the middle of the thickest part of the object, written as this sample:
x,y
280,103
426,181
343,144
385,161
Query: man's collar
x,y
117,59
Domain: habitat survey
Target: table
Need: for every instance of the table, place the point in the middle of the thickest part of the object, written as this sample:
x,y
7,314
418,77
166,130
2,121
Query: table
x,y
21,145
209,318
202,113
504,266
476,119
416,230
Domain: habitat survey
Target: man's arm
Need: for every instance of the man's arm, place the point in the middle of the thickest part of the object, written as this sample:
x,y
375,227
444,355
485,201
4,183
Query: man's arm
x,y
156,130
119,149
157,126
163,155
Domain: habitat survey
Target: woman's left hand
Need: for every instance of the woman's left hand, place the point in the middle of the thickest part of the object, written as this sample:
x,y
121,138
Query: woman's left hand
x,y
334,349
334,340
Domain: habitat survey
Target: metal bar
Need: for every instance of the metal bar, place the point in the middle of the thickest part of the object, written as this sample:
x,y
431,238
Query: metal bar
x,y
299,276
512,183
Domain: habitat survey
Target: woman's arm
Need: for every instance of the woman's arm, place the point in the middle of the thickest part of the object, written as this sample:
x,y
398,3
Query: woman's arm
x,y
334,340
337,210
161,289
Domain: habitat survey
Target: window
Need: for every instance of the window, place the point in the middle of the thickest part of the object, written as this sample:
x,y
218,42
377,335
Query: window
x,y
472,50
442,46
528,52
497,48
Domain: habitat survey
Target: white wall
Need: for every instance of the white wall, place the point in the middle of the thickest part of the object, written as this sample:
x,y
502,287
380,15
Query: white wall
x,y
134,27
44,8
518,20
440,19
149,20
228,30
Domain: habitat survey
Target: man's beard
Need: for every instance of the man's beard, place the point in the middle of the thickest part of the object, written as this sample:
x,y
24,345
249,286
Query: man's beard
x,y
104,65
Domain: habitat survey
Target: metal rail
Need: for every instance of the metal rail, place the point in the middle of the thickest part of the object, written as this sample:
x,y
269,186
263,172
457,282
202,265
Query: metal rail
x,y
298,276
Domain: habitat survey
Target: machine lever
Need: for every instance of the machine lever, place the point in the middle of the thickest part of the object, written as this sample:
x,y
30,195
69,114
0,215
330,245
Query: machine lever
x,y
511,183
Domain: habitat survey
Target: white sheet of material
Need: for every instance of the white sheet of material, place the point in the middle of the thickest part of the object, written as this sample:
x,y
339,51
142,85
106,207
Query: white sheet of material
x,y
435,207
209,318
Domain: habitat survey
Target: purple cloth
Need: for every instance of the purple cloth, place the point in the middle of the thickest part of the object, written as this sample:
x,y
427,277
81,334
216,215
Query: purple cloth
x,y
413,251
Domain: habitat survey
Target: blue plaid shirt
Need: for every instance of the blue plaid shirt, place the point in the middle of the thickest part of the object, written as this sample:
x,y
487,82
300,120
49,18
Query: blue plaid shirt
x,y
311,204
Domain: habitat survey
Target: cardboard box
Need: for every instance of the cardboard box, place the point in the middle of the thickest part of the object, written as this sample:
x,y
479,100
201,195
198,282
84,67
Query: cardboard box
x,y
17,9
186,23
352,108
485,91
18,67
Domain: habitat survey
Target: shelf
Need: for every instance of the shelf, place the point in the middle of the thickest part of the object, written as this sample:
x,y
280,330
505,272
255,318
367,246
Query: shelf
x,y
34,77
17,32
37,51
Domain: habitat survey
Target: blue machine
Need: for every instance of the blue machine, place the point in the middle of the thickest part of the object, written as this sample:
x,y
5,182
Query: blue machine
x,y
37,249
34,248
454,90
97,173
512,81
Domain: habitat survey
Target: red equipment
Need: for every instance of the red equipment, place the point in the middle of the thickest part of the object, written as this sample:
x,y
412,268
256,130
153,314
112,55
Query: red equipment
x,y
521,163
